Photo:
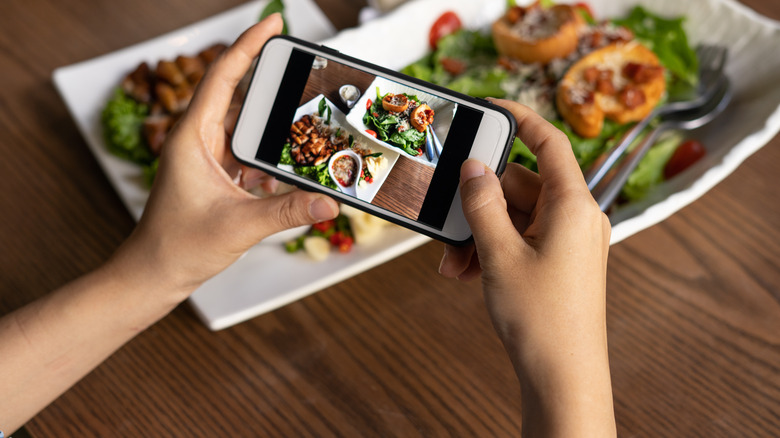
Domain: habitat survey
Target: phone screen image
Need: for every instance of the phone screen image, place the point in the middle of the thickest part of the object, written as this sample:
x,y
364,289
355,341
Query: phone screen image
x,y
369,137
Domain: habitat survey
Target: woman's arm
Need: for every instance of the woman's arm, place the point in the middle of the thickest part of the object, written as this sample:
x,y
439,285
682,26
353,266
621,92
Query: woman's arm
x,y
195,224
541,246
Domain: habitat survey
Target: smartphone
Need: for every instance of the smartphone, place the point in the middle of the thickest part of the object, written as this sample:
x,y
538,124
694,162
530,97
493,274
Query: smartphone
x,y
370,137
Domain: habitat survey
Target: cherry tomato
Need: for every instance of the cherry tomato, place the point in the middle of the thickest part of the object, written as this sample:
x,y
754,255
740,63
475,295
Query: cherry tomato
x,y
368,103
371,132
446,24
689,152
324,226
346,244
453,66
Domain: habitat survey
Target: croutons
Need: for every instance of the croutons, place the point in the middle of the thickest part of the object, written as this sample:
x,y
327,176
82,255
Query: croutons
x,y
622,82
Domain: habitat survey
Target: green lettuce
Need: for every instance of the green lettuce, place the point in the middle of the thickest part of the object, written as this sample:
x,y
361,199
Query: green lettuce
x,y
122,121
286,158
667,39
273,7
317,173
384,124
650,171
482,76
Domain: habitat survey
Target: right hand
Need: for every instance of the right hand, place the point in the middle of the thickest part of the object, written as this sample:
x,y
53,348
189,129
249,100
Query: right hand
x,y
541,241
541,244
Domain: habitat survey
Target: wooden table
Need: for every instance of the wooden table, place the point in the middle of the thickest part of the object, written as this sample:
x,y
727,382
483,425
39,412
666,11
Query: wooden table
x,y
693,303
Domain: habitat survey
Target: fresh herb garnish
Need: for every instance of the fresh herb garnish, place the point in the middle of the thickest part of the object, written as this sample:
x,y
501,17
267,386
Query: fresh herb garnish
x,y
273,7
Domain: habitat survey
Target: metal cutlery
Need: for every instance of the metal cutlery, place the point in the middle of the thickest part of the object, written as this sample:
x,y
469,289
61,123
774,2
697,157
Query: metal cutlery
x,y
606,192
711,62
433,147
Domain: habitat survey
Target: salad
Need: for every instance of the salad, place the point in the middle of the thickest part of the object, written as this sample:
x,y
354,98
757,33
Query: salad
x,y
399,120
476,62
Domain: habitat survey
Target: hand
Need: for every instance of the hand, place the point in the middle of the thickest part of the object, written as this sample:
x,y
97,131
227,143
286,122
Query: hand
x,y
197,220
541,244
539,238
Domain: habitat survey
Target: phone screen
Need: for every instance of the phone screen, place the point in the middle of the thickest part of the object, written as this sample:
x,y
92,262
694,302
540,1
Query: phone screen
x,y
370,137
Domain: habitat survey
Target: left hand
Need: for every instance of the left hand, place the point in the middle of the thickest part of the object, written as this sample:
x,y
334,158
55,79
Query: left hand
x,y
197,220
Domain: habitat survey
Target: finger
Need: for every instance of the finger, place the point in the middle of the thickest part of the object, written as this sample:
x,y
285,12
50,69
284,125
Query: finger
x,y
553,151
455,260
252,177
520,219
231,165
473,270
277,213
267,185
231,118
270,185
485,210
521,187
215,90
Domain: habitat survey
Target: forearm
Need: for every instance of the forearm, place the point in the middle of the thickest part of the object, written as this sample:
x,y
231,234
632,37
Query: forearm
x,y
566,387
50,344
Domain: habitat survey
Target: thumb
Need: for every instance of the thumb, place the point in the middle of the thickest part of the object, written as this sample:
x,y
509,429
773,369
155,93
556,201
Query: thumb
x,y
278,213
485,210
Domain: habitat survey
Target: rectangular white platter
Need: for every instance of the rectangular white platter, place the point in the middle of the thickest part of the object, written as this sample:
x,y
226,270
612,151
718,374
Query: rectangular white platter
x,y
267,277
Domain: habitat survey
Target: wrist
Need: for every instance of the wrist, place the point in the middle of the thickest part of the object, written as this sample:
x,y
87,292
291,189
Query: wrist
x,y
565,383
144,272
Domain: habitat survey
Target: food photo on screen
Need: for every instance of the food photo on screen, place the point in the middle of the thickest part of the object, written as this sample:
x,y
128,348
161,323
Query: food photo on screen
x,y
366,136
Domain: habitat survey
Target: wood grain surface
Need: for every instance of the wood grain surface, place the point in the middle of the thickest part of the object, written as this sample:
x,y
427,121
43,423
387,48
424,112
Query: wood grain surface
x,y
405,188
693,303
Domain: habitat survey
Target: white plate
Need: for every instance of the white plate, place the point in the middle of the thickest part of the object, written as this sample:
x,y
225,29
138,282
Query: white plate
x,y
751,120
266,277
365,192
444,111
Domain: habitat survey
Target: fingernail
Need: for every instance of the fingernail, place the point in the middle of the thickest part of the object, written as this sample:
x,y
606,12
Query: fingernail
x,y
321,210
443,258
471,169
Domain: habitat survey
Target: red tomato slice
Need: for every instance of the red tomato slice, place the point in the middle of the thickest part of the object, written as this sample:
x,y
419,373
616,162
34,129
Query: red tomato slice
x,y
689,152
368,103
446,24
453,66
346,244
371,132
324,226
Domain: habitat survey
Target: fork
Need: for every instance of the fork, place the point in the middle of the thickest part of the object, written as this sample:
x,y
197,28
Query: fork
x,y
711,62
606,192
